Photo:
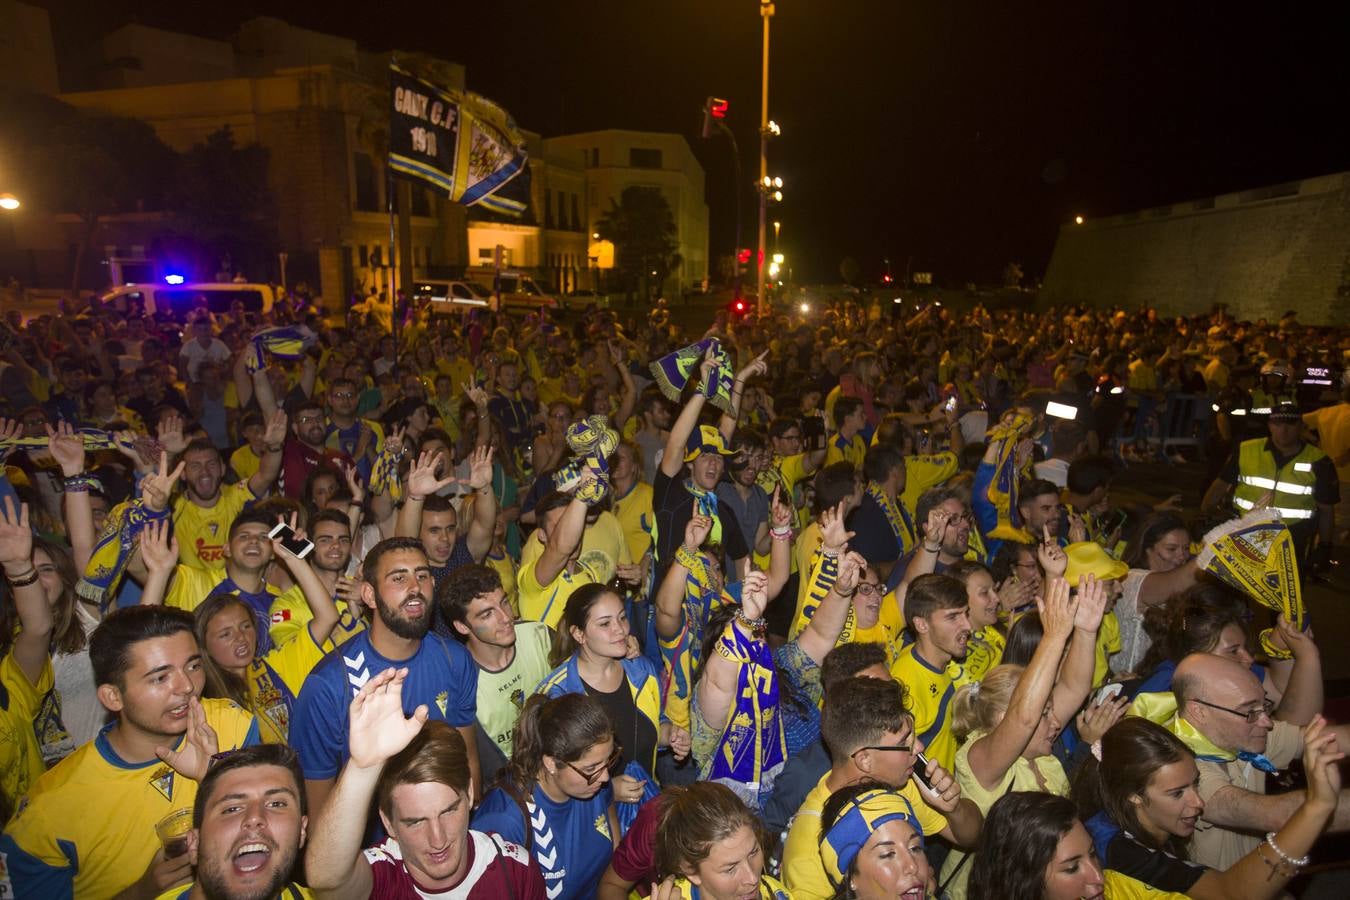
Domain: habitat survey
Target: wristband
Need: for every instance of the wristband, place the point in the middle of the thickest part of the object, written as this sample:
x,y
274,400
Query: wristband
x,y
688,558
273,449
30,577
784,535
81,483
755,625
932,549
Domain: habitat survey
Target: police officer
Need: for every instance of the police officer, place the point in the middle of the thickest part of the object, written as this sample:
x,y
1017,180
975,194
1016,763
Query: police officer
x,y
1300,479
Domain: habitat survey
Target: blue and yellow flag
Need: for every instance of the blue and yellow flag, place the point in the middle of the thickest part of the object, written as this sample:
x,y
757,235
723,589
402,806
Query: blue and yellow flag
x,y
284,342
112,551
1003,486
1255,554
672,372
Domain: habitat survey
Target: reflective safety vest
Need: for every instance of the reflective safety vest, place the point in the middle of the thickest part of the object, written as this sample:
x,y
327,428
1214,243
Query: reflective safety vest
x,y
1263,404
1292,483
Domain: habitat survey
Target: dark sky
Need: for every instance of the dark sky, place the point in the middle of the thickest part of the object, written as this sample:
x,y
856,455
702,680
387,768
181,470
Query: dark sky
x,y
958,134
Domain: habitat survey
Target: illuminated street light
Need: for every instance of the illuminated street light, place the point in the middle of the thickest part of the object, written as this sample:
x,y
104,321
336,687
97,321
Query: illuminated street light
x,y
773,129
778,258
9,201
1078,220
805,308
778,196
595,235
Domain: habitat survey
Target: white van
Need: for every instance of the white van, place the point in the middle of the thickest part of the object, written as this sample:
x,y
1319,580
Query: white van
x,y
518,290
178,299
446,296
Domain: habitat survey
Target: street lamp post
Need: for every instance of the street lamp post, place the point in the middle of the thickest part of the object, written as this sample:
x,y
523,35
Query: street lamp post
x,y
766,10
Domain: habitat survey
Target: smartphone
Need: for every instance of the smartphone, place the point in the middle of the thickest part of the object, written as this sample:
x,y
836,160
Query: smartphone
x,y
921,771
951,404
1061,410
813,433
1108,692
294,546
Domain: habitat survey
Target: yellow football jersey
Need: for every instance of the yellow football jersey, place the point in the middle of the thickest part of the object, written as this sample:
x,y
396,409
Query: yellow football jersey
x,y
87,826
930,691
203,532
20,757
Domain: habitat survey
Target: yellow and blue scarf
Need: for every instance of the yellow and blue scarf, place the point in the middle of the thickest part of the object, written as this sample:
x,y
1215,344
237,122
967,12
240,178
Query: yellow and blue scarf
x,y
673,370
753,747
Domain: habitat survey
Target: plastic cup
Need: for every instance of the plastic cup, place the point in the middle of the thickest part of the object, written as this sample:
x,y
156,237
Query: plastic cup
x,y
173,832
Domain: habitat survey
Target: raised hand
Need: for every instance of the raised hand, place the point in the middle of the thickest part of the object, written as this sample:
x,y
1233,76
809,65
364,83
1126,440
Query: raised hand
x,y
16,535
1058,609
781,514
158,485
477,395
279,549
378,728
1054,561
935,528
170,434
834,536
851,567
1320,756
1092,602
193,756
707,366
422,479
480,468
756,366
1097,718
696,530
1014,593
754,594
1077,529
159,548
67,448
1287,637
274,433
355,485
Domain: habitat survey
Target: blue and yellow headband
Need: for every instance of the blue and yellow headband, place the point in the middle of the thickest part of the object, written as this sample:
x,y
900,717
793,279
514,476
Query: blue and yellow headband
x,y
841,843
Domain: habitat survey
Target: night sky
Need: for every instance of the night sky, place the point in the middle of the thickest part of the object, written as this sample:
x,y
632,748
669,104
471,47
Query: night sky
x,y
950,137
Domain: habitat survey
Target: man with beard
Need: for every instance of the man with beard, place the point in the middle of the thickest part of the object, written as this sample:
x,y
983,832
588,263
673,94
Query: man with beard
x,y
330,530
419,775
441,674
361,439
202,513
434,521
87,828
305,448
248,825
944,537
937,613
512,657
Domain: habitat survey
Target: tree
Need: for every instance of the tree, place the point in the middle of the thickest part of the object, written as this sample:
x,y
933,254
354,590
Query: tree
x,y
93,166
223,204
642,229
849,270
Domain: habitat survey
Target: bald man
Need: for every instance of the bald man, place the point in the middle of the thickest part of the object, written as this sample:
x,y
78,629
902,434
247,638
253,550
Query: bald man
x,y
1224,716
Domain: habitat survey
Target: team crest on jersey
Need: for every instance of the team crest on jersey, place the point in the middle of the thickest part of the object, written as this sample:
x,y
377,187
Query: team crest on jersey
x,y
518,698
442,702
162,780
602,826
215,528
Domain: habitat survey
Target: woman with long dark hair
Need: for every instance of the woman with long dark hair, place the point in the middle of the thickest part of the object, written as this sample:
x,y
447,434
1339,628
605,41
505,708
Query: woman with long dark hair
x,y
1159,557
554,797
1033,847
594,655
1142,797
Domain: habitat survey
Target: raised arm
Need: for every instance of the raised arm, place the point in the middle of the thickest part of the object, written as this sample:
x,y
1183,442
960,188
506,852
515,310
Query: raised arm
x,y
33,642
672,460
317,597
727,424
483,523
1303,691
994,754
780,535
562,541
337,868
269,464
628,395
716,689
1075,674
669,604
159,553
67,448
824,627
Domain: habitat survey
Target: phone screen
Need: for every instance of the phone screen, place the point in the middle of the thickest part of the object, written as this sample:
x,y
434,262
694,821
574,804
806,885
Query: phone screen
x,y
921,770
813,433
295,546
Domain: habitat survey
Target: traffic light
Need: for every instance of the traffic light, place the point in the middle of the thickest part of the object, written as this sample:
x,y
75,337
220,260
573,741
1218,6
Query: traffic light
x,y
743,255
713,108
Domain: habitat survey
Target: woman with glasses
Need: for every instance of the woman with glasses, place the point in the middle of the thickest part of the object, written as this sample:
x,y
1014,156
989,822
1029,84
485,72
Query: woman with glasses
x,y
595,655
555,797
1142,800
1008,722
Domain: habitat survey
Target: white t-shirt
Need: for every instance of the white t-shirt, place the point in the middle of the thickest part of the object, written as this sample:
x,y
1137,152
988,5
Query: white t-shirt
x,y
1134,641
196,354
1055,471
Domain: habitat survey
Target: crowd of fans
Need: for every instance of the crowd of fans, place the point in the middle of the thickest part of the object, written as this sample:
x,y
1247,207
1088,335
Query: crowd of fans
x,y
492,607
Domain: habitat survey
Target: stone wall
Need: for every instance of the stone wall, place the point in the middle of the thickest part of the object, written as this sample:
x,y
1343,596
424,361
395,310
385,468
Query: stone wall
x,y
1261,251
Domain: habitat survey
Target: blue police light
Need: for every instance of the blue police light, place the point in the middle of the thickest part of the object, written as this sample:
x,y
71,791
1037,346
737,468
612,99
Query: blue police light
x,y
174,279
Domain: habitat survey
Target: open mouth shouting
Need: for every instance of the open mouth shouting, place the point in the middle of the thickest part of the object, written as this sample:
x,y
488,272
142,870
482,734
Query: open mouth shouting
x,y
251,857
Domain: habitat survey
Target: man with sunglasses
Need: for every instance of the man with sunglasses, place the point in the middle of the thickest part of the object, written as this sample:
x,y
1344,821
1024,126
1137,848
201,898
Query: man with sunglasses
x,y
417,773
1224,717
870,736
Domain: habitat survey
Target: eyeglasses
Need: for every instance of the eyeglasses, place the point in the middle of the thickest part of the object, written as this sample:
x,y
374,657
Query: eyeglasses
x,y
1251,715
342,395
305,420
903,748
867,588
593,777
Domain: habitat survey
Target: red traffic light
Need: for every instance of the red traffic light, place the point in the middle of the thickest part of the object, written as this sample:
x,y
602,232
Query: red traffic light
x,y
743,255
886,278
740,306
717,107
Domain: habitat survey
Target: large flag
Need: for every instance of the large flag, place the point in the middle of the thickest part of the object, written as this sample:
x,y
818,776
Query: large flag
x,y
1255,554
459,143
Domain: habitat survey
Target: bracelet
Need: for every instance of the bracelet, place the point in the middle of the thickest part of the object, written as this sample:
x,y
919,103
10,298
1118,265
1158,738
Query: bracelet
x,y
828,553
932,549
755,625
81,483
273,449
24,580
784,535
416,499
1297,863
